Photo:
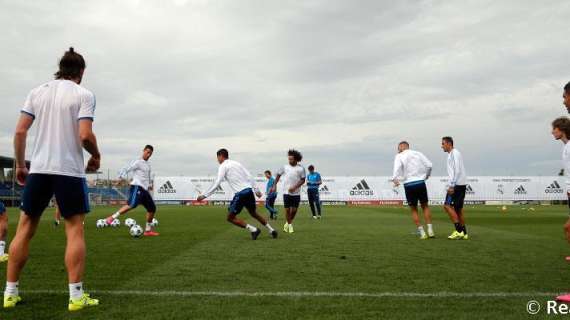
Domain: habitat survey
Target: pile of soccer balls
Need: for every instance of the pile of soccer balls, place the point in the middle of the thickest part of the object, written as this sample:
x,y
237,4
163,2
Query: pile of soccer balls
x,y
135,230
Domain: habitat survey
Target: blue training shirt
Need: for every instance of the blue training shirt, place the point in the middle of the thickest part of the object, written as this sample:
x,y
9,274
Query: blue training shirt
x,y
313,180
270,183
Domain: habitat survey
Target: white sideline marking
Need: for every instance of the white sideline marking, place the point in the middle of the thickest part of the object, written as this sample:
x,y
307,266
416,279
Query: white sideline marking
x,y
443,294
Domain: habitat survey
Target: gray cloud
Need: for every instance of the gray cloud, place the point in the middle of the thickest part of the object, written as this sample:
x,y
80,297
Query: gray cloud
x,y
342,81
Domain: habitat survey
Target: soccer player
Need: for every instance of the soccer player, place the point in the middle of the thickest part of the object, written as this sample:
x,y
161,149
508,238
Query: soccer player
x,y
294,177
455,189
314,181
243,184
270,197
414,168
64,112
566,96
139,190
3,232
561,131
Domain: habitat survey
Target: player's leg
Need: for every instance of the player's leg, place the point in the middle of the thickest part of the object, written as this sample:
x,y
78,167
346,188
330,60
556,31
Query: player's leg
x,y
449,207
424,202
318,203
132,202
252,209
412,199
236,206
287,205
36,196
272,206
458,205
149,205
312,205
3,232
73,201
427,217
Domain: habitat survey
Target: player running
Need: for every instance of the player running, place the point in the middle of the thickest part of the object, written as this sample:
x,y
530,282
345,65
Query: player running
x,y
293,178
3,232
139,190
243,184
270,197
64,112
414,168
314,181
455,189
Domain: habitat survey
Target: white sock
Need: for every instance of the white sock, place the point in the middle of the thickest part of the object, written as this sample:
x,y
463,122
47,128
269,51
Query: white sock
x,y
116,215
269,227
250,228
421,230
430,228
76,290
2,247
148,227
11,289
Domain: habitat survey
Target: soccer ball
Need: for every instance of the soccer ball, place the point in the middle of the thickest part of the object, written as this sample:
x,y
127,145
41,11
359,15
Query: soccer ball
x,y
130,222
154,222
136,231
101,223
115,223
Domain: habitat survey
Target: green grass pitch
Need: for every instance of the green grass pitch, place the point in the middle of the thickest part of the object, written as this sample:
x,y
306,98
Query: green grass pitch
x,y
369,250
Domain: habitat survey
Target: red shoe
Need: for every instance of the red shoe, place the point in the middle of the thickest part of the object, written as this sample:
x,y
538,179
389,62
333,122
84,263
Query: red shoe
x,y
150,233
567,258
564,298
109,220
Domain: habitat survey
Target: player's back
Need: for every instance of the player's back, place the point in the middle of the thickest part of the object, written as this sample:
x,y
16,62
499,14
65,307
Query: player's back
x,y
237,175
57,106
415,164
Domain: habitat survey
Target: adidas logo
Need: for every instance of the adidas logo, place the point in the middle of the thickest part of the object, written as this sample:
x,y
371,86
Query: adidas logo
x,y
325,190
469,189
554,187
520,190
361,189
167,188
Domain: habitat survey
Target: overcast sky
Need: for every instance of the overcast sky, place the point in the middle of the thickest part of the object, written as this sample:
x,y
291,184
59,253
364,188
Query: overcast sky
x,y
342,81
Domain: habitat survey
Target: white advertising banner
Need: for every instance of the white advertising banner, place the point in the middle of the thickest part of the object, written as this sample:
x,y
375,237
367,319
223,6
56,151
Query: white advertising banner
x,y
375,188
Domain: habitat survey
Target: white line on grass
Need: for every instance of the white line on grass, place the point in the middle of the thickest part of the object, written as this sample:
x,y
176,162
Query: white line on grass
x,y
294,294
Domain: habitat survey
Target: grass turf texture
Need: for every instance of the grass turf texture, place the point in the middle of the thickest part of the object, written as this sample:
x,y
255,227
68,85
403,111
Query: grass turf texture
x,y
352,249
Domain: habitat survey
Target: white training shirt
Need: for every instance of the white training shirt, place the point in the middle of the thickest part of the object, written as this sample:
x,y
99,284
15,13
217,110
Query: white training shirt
x,y
291,176
566,160
235,174
57,107
456,169
410,166
141,173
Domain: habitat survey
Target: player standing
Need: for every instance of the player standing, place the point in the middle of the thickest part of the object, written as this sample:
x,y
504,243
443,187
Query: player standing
x,y
270,197
456,189
414,168
3,232
243,184
314,181
63,111
293,178
139,190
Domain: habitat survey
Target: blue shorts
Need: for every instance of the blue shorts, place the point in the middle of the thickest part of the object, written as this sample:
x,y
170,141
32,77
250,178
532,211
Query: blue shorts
x,y
244,198
71,194
139,195
2,208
